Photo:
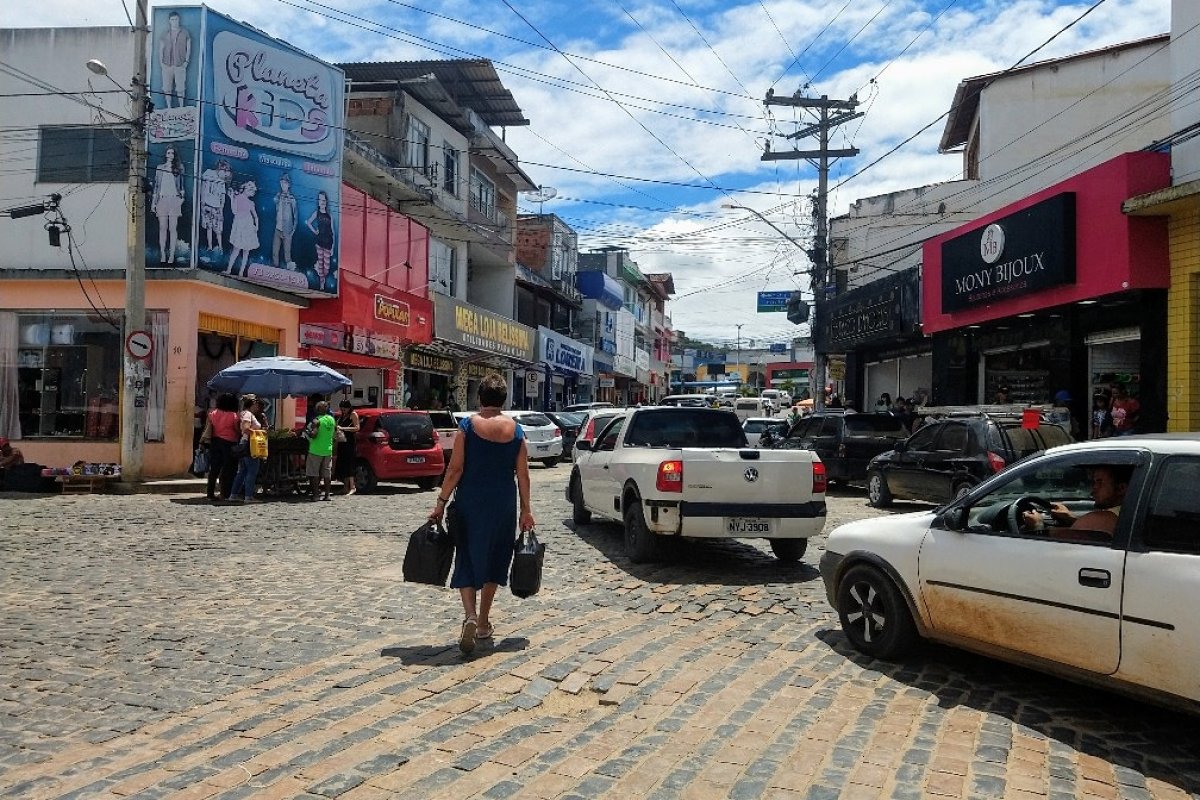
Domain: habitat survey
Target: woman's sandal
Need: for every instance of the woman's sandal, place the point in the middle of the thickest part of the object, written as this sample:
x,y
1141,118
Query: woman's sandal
x,y
483,633
466,639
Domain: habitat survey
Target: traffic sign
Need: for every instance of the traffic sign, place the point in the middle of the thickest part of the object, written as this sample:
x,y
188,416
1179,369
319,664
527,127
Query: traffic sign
x,y
139,344
773,301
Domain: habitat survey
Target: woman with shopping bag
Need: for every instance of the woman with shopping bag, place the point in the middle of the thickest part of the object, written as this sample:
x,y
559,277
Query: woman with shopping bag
x,y
490,453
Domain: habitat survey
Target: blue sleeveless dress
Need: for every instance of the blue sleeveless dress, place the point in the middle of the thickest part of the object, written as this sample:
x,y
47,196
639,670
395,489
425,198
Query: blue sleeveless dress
x,y
486,500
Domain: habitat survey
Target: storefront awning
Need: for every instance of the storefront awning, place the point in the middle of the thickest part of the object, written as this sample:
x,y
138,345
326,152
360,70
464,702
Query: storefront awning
x,y
344,358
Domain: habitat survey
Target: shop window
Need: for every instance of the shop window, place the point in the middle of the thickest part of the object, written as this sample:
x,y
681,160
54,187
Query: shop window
x,y
81,154
65,373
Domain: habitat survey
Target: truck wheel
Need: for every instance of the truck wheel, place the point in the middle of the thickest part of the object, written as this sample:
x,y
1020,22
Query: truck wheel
x,y
364,477
428,482
640,544
878,494
874,616
579,514
789,549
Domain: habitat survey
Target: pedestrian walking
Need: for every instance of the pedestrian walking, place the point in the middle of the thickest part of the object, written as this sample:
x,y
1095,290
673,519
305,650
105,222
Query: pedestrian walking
x,y
1124,410
245,483
481,473
319,466
343,462
222,430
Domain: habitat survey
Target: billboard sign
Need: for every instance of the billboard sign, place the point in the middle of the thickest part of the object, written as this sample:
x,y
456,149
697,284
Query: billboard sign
x,y
773,301
245,154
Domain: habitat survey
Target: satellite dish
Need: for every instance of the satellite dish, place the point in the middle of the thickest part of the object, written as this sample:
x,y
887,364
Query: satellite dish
x,y
543,194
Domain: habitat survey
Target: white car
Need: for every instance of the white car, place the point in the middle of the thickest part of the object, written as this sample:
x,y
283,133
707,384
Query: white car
x,y
1107,598
778,397
543,439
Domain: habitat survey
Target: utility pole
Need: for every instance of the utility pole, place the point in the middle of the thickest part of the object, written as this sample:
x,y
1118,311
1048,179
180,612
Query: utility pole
x,y
133,397
739,347
820,159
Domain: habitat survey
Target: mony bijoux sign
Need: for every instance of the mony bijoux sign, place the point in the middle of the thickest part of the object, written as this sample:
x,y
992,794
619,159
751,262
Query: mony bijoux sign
x,y
1017,255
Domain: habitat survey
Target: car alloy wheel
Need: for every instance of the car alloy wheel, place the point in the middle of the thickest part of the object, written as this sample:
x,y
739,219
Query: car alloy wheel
x,y
874,616
878,494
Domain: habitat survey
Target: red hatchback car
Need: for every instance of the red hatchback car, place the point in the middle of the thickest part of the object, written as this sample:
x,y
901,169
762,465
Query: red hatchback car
x,y
397,446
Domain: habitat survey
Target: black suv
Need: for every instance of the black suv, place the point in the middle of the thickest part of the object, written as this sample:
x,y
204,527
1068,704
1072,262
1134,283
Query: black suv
x,y
947,457
845,441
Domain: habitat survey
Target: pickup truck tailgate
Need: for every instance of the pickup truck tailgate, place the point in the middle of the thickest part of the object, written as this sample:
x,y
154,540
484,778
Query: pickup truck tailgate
x,y
746,475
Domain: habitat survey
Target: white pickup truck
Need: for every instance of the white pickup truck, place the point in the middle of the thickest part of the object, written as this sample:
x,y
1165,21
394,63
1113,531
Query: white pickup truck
x,y
688,472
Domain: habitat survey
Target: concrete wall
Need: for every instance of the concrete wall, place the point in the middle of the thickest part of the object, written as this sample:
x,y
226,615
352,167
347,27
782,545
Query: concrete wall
x,y
55,59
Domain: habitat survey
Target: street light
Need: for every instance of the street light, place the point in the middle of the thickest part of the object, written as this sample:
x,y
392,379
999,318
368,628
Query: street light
x,y
133,394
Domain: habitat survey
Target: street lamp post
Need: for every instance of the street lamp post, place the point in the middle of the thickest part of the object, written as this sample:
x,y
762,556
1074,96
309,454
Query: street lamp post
x,y
133,394
817,277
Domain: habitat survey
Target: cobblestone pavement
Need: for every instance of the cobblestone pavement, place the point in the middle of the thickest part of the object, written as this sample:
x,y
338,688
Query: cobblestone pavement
x,y
158,646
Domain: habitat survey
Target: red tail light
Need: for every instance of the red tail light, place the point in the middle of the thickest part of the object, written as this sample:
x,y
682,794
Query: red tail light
x,y
557,433
670,477
589,430
995,461
820,483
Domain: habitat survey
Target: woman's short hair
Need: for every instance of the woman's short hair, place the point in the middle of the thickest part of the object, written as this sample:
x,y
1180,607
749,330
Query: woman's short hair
x,y
248,401
493,390
227,401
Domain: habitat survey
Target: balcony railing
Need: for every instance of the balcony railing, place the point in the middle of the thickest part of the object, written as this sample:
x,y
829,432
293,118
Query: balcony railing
x,y
424,179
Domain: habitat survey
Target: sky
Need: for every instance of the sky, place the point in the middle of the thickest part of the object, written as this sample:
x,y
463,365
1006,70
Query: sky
x,y
647,116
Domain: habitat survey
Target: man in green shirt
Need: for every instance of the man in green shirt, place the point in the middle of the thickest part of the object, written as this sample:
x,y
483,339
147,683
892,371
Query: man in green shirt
x,y
320,434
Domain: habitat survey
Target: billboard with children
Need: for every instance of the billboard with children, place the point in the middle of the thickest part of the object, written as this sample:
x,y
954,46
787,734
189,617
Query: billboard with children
x,y
246,142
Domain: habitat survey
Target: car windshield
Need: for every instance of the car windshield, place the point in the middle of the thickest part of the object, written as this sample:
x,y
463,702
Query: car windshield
x,y
572,418
755,425
685,428
874,425
412,430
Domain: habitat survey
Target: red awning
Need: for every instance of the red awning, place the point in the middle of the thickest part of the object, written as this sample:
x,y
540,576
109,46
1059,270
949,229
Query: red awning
x,y
343,358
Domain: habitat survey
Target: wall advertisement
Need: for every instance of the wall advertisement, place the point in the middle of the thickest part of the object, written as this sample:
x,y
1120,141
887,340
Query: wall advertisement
x,y
244,154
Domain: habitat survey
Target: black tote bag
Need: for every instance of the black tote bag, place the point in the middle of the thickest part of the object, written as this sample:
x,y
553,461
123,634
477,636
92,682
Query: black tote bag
x,y
526,577
429,554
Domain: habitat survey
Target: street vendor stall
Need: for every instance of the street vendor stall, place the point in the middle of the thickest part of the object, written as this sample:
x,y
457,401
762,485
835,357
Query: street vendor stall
x,y
280,376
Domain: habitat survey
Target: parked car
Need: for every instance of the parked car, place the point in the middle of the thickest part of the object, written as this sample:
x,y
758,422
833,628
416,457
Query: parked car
x,y
950,456
446,425
543,439
1107,605
569,422
396,446
687,473
587,406
687,400
756,427
746,407
593,423
846,442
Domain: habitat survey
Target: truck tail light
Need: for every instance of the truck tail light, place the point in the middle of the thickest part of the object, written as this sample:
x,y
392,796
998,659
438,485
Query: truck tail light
x,y
670,477
435,438
589,430
996,462
820,483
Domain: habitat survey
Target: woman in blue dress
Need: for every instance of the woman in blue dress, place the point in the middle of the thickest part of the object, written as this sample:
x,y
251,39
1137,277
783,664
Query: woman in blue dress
x,y
490,452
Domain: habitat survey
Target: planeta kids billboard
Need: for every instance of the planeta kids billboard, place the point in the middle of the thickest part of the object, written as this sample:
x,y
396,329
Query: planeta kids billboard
x,y
258,172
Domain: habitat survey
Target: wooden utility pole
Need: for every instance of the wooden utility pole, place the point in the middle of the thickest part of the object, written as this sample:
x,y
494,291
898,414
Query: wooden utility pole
x,y
820,158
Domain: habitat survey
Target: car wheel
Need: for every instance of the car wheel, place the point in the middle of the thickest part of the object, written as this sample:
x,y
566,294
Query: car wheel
x,y
548,463
874,616
364,477
640,544
789,549
427,483
579,514
878,494
961,488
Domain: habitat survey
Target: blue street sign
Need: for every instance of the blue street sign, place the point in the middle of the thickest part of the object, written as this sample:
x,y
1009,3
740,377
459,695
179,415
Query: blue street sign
x,y
773,301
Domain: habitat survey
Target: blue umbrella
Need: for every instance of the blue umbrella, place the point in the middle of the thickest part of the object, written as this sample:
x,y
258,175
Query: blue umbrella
x,y
278,376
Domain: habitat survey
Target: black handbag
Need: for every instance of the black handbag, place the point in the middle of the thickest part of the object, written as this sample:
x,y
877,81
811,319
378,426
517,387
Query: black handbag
x,y
526,577
429,554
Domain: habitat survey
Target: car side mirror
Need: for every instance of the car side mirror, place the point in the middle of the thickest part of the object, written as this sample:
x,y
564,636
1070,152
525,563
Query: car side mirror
x,y
583,444
955,518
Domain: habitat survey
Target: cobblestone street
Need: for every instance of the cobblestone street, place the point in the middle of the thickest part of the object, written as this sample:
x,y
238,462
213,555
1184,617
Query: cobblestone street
x,y
159,646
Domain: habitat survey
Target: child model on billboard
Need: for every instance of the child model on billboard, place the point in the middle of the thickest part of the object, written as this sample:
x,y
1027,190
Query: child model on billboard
x,y
243,236
320,222
214,188
285,223
167,203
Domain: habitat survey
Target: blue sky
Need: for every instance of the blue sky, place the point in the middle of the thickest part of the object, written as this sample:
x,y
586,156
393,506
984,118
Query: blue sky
x,y
628,99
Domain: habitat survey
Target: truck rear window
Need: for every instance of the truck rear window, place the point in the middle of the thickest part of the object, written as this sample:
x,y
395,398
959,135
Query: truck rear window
x,y
685,427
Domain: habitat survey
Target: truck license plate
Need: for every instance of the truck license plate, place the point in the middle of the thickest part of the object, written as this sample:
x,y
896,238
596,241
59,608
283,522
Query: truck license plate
x,y
747,526
416,459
